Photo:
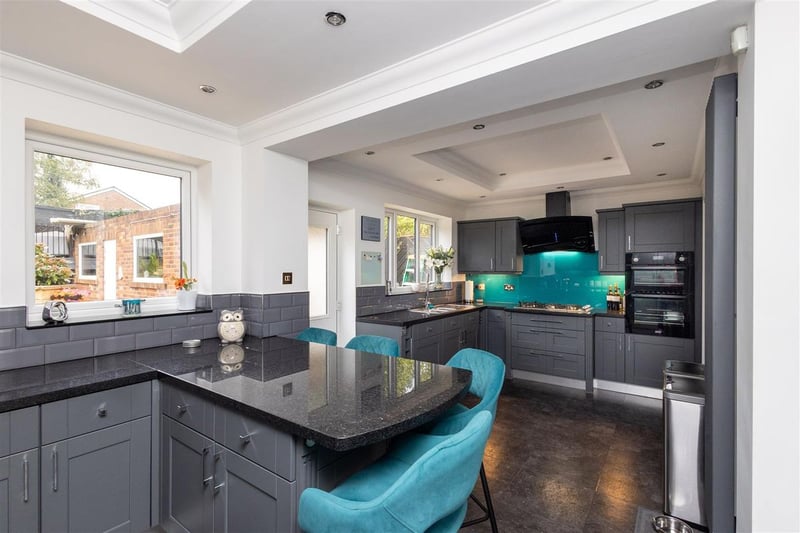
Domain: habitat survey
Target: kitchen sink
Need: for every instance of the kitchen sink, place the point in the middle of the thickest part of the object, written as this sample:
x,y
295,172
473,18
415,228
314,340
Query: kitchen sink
x,y
441,309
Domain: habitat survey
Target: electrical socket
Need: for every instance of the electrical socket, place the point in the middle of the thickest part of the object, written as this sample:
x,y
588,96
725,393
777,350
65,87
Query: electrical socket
x,y
508,287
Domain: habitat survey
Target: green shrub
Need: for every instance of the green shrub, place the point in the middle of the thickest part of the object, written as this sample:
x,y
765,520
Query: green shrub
x,y
50,270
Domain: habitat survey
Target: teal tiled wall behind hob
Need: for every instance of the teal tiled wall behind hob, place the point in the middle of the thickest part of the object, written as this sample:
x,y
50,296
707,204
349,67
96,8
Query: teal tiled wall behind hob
x,y
551,277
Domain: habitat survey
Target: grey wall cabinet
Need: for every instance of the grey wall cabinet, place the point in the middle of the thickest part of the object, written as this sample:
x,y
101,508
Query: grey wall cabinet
x,y
489,246
645,356
662,227
95,462
19,470
611,241
554,345
609,348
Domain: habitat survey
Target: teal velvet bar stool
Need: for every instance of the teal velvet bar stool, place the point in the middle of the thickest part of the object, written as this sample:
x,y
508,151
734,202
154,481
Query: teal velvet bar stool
x,y
488,373
428,494
374,344
319,335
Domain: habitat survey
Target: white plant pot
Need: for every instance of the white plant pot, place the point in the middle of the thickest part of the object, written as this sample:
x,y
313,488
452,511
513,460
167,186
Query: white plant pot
x,y
187,300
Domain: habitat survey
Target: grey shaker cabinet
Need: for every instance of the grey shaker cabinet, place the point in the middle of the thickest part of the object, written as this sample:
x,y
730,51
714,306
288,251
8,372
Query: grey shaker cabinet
x,y
496,333
611,241
489,246
95,461
645,356
662,227
186,479
99,481
19,492
609,348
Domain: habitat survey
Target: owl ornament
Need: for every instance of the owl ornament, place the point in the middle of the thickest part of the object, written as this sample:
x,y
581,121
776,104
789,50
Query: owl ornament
x,y
231,326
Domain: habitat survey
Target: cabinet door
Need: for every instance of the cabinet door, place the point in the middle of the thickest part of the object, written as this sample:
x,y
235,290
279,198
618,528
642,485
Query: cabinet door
x,y
19,492
427,349
611,241
666,227
609,356
507,246
248,497
496,334
476,246
99,481
529,337
186,489
645,356
452,341
528,359
566,341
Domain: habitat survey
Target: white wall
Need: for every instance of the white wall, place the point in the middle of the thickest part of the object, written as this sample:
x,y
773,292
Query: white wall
x,y
339,189
768,270
217,228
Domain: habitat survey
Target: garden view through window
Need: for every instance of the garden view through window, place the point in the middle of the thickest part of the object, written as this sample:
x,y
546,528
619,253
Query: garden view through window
x,y
104,231
407,237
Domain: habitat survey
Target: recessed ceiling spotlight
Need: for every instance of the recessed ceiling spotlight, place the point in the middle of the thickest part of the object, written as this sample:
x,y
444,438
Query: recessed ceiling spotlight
x,y
334,18
653,84
661,174
607,158
658,144
560,187
439,179
478,126
482,196
208,89
369,152
502,174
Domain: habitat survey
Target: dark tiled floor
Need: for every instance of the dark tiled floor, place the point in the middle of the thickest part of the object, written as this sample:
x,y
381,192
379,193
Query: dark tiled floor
x,y
561,461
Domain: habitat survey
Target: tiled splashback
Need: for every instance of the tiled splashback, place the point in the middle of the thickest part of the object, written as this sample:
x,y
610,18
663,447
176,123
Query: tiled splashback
x,y
373,300
552,277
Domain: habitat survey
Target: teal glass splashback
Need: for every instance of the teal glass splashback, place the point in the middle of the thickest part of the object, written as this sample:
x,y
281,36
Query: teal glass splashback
x,y
551,277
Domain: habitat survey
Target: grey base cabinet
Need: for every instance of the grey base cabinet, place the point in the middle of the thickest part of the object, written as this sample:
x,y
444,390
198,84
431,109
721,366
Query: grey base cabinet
x,y
496,333
609,348
645,356
99,481
19,492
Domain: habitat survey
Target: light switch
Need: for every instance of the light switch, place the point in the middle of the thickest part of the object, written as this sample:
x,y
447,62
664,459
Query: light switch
x,y
287,278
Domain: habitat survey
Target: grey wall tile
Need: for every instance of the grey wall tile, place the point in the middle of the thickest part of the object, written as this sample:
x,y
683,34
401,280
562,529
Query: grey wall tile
x,y
299,324
280,328
300,298
66,351
280,300
254,315
182,334
32,337
153,338
21,357
252,301
210,331
122,343
12,317
221,301
203,300
291,313
133,325
169,322
254,329
7,338
236,300
271,315
90,331
202,319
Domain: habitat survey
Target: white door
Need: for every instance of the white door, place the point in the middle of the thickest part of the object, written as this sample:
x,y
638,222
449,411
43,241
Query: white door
x,y
323,304
109,270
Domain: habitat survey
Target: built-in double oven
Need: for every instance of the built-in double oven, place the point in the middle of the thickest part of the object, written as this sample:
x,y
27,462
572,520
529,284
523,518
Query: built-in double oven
x,y
659,295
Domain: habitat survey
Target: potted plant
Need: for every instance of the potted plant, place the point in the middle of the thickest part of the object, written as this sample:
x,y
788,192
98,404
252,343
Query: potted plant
x,y
185,290
439,258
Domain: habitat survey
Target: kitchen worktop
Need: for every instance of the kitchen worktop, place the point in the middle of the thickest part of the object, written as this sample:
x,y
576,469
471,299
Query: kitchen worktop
x,y
337,397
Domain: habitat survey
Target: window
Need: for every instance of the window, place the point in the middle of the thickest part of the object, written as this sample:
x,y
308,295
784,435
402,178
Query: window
x,y
106,225
87,260
148,258
407,237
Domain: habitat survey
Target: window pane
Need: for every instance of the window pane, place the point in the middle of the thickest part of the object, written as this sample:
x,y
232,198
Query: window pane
x,y
425,243
84,207
406,250
317,271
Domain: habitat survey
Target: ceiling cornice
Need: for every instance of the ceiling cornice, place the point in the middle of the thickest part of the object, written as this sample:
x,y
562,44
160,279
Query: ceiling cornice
x,y
35,74
557,25
457,165
175,25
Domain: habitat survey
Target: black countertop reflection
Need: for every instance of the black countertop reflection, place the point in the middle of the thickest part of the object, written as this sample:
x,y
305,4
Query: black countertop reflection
x,y
340,398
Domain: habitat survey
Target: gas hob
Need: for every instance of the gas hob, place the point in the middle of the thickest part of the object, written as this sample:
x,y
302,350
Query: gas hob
x,y
573,309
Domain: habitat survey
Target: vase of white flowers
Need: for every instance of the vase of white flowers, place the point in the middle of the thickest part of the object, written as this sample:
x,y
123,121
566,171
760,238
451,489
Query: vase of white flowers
x,y
439,258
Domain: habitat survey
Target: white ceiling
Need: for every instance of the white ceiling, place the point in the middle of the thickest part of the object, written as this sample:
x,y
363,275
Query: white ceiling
x,y
549,122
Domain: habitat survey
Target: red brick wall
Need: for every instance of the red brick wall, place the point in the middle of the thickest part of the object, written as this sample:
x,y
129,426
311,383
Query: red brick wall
x,y
164,220
112,200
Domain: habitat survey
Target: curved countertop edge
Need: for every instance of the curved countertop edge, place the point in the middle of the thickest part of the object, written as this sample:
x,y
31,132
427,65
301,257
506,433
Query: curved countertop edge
x,y
338,444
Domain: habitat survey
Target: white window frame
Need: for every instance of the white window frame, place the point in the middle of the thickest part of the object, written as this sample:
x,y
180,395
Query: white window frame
x,y
145,279
81,275
44,142
391,252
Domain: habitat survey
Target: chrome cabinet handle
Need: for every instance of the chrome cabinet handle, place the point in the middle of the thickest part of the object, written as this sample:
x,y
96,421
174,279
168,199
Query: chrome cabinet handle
x,y
25,479
217,486
206,480
101,411
491,263
182,408
629,243
601,261
54,457
245,439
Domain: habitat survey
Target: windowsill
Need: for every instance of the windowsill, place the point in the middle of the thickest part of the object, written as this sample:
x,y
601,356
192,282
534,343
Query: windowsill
x,y
40,324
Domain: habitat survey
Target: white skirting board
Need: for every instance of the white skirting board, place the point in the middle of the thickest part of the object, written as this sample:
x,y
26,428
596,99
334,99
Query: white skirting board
x,y
626,388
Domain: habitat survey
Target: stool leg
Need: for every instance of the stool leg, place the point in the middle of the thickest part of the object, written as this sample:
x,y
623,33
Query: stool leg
x,y
488,509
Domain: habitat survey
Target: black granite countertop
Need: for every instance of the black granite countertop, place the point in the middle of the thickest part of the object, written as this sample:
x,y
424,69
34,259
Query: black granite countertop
x,y
340,398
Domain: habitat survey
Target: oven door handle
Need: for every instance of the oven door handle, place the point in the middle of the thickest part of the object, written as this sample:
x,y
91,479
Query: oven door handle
x,y
658,267
659,296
